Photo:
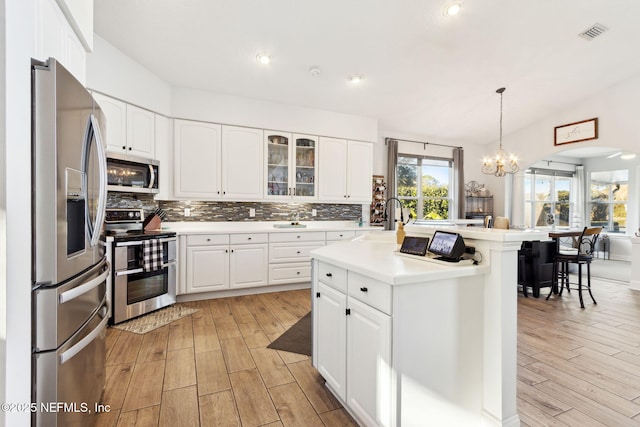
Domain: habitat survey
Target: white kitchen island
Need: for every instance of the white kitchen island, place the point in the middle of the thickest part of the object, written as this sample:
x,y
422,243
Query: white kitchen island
x,y
408,342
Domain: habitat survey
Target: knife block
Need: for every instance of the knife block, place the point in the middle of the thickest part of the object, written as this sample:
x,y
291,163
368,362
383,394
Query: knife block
x,y
152,222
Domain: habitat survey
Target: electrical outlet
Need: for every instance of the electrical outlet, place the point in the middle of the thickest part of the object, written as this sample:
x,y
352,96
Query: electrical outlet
x,y
314,212
252,213
187,211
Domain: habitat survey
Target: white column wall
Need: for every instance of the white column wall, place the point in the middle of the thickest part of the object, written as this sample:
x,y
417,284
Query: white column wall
x,y
15,176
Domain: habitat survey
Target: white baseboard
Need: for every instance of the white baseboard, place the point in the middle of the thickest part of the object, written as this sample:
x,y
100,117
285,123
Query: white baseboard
x,y
240,292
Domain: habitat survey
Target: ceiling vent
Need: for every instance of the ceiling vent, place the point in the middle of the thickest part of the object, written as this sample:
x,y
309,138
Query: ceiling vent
x,y
592,32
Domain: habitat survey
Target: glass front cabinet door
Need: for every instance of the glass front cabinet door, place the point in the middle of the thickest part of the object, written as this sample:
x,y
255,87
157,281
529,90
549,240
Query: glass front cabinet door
x,y
291,166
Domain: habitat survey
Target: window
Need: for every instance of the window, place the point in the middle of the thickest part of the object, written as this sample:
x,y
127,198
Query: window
x,y
424,186
547,192
608,202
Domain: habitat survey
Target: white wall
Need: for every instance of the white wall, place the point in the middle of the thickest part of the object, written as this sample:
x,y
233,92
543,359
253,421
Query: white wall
x,y
115,74
227,109
15,321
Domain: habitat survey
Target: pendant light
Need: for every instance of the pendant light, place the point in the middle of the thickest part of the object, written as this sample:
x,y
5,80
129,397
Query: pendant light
x,y
499,165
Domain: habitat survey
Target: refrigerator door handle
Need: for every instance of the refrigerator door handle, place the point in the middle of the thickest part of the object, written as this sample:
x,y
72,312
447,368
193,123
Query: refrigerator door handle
x,y
68,355
93,129
85,287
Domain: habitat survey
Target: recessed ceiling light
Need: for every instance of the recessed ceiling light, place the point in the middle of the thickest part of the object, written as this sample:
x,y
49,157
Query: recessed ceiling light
x,y
452,9
263,58
628,156
356,79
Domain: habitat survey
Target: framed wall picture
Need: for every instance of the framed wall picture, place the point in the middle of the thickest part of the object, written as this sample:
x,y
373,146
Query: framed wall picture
x,y
576,132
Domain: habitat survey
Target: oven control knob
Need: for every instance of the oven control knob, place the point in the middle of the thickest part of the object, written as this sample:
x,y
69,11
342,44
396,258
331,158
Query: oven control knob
x,y
137,214
130,214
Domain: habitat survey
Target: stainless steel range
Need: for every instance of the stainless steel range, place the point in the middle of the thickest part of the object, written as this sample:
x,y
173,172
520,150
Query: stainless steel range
x,y
143,272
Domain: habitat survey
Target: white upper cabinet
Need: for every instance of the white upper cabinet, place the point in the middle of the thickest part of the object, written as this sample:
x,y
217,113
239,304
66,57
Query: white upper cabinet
x,y
116,114
214,162
130,130
345,171
79,13
55,38
140,132
196,159
333,172
291,167
241,166
359,171
164,155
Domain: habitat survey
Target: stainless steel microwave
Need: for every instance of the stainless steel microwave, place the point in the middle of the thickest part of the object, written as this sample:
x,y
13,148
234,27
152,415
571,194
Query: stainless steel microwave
x,y
132,174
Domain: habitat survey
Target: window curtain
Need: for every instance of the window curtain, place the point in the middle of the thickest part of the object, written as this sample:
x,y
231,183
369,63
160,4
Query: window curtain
x,y
392,161
579,218
458,182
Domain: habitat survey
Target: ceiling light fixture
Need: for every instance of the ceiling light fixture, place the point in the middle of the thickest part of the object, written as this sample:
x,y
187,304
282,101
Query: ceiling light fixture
x,y
611,156
499,165
314,71
628,156
356,79
452,9
263,58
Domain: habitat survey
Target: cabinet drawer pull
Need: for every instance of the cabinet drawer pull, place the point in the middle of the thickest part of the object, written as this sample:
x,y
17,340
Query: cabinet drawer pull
x,y
208,240
329,275
298,252
297,272
363,289
298,236
248,238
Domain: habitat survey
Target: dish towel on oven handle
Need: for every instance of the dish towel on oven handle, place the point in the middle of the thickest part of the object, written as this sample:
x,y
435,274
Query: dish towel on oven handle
x,y
152,255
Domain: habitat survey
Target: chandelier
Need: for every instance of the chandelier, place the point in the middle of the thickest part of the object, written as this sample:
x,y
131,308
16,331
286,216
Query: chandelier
x,y
500,163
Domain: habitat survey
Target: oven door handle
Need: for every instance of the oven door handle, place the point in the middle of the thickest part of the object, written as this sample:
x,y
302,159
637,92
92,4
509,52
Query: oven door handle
x,y
139,242
141,270
127,272
67,355
85,287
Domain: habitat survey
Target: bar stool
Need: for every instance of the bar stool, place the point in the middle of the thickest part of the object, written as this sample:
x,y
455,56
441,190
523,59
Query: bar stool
x,y
581,255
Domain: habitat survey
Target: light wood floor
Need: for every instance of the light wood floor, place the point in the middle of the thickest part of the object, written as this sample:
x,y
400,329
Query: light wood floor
x,y
212,368
580,367
575,367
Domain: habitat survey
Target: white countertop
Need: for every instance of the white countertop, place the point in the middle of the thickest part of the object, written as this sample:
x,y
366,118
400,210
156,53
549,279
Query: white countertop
x,y
219,227
375,257
480,233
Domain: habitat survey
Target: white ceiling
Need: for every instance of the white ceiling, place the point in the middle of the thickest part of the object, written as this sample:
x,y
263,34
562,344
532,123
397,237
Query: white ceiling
x,y
424,74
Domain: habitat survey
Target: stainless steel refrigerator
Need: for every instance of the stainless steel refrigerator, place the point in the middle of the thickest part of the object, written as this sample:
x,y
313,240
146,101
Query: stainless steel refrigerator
x,y
69,306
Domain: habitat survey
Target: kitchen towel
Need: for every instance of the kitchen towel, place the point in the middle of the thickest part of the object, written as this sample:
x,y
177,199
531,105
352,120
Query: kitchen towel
x,y
152,255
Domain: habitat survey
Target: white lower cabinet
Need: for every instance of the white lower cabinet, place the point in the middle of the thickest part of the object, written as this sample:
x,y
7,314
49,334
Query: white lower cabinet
x,y
248,263
289,255
352,341
368,364
221,261
331,338
207,266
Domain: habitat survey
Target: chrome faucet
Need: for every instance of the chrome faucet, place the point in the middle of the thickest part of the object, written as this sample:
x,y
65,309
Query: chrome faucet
x,y
295,218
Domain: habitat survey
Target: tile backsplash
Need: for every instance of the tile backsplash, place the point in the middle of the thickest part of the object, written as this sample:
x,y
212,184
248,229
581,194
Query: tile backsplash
x,y
236,211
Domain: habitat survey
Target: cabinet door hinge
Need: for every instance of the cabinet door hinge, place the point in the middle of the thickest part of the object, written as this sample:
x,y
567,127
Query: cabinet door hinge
x,y
317,294
348,311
